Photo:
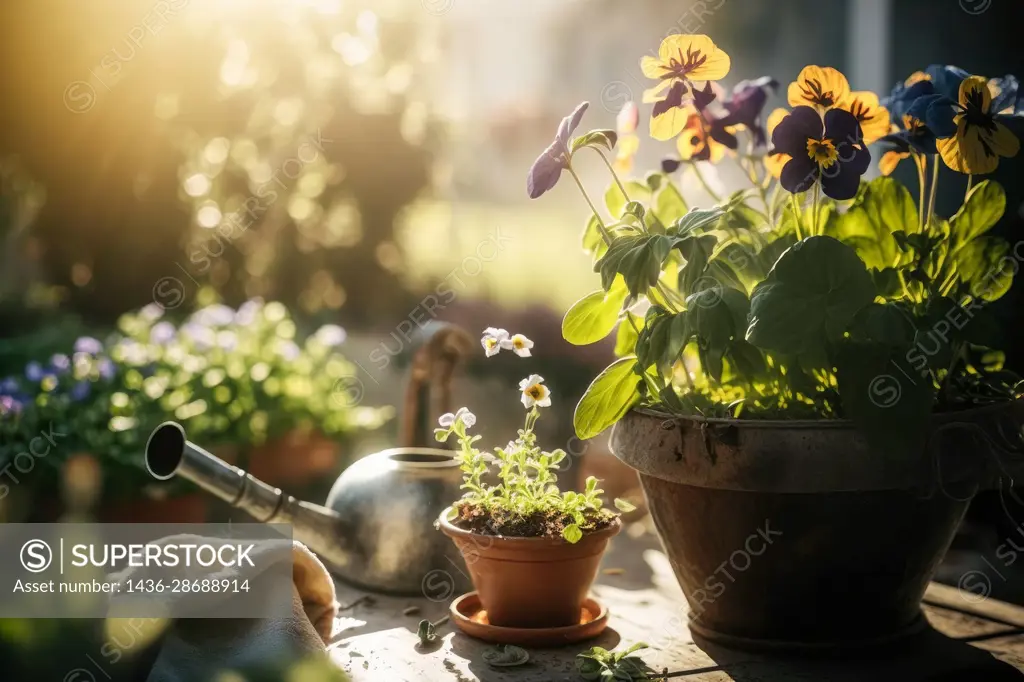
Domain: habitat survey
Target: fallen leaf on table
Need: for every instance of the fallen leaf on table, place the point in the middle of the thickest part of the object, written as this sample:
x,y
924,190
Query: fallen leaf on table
x,y
506,656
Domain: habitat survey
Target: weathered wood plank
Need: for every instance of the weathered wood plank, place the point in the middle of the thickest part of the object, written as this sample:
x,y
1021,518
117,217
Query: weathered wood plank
x,y
974,641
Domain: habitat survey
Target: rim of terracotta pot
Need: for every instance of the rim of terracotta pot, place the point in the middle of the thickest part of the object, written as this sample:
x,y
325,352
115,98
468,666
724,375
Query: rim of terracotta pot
x,y
964,451
936,417
452,530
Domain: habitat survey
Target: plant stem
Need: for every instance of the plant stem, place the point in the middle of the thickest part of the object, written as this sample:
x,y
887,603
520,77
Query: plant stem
x,y
757,183
816,205
600,221
797,212
970,184
703,182
935,184
921,161
611,170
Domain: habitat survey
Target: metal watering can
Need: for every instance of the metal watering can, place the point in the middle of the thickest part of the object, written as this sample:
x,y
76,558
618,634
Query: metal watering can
x,y
376,529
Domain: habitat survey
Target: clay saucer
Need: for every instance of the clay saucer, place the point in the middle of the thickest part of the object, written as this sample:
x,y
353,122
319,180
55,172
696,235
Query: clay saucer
x,y
469,616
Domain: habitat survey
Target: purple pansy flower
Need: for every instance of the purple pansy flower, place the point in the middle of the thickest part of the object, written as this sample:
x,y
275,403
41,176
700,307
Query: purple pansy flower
x,y
87,344
832,153
745,105
548,167
9,386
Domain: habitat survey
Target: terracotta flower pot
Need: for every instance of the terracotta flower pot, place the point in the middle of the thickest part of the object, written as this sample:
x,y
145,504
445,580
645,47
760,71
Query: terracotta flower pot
x,y
530,582
798,533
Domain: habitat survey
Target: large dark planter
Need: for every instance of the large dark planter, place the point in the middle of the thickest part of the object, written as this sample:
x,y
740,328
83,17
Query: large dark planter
x,y
798,533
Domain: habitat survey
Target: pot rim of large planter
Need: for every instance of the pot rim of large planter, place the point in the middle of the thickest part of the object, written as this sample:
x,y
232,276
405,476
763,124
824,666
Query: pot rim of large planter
x,y
964,451
522,543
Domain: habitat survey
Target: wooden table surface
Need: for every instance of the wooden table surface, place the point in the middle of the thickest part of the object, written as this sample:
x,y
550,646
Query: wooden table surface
x,y
974,640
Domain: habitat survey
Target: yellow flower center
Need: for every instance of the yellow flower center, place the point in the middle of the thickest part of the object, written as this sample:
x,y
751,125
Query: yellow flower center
x,y
517,343
536,392
491,343
823,152
679,67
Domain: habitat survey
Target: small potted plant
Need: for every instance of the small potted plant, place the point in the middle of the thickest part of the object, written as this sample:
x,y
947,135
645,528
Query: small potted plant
x,y
808,381
532,550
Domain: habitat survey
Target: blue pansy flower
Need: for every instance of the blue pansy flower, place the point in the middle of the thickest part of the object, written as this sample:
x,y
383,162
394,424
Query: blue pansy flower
x,y
34,371
81,390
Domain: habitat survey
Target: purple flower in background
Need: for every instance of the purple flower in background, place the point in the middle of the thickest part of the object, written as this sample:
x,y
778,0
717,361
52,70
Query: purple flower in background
x,y
161,333
105,366
80,391
246,314
60,363
288,350
203,337
9,386
87,344
9,405
549,165
227,340
151,312
331,335
34,371
745,105
214,315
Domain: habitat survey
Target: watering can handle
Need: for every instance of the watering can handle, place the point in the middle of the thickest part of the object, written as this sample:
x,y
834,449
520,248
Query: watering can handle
x,y
438,348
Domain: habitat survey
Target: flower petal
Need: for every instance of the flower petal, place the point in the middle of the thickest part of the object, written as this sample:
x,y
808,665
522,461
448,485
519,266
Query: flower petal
x,y
653,67
627,119
799,174
791,134
821,87
1004,142
545,171
654,94
569,124
966,152
890,159
669,124
873,117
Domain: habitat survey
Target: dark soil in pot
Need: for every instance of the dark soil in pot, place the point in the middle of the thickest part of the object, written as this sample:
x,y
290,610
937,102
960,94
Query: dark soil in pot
x,y
531,582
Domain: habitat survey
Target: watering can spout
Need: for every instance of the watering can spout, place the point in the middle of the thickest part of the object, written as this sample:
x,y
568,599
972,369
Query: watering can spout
x,y
169,453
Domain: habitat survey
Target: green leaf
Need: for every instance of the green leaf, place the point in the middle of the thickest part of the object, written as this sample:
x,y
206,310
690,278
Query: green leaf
x,y
638,258
593,241
986,267
882,207
669,203
594,316
695,220
982,209
624,505
626,336
506,656
596,139
607,398
615,202
697,252
887,397
887,324
572,533
809,298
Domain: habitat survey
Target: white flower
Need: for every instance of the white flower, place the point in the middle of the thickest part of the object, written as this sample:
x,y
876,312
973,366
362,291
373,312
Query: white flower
x,y
518,344
535,392
493,340
330,335
447,420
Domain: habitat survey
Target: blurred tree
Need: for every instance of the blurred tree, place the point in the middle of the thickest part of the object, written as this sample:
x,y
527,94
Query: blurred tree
x,y
262,147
